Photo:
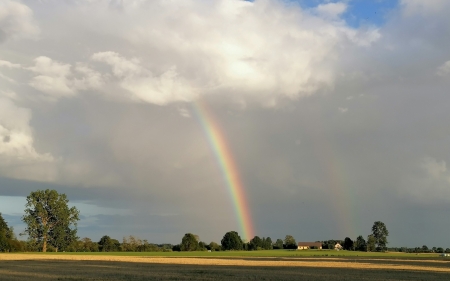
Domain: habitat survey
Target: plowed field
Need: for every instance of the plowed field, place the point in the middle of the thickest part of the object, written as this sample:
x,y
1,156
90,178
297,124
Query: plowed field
x,y
79,267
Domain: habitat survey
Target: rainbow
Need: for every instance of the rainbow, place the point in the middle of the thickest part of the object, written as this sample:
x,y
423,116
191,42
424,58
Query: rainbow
x,y
227,166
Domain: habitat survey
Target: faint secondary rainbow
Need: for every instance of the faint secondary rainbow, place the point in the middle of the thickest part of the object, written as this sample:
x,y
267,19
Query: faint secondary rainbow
x,y
345,211
227,166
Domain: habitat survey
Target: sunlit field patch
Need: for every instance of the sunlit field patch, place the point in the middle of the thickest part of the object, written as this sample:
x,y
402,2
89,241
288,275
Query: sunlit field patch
x,y
258,265
264,253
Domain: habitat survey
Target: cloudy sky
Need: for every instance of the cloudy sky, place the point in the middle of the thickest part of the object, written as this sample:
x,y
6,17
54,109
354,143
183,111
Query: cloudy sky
x,y
336,113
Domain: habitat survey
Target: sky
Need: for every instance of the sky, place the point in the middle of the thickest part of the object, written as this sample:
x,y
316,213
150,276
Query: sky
x,y
335,115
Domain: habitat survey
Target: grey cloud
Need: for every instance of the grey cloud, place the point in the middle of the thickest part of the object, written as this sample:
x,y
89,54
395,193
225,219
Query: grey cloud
x,y
308,170
2,36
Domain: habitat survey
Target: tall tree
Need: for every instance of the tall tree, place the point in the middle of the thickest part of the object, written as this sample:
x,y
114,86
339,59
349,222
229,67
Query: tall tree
x,y
371,241
131,244
278,244
213,246
49,219
3,224
255,243
107,244
348,244
202,246
63,236
329,244
231,241
267,244
289,242
380,233
360,244
87,245
4,235
189,242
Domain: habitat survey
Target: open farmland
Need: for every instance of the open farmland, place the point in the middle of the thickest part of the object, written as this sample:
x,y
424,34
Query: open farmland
x,y
263,253
119,267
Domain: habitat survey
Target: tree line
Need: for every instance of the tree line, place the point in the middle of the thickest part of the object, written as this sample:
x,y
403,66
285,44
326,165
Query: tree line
x,y
52,226
376,241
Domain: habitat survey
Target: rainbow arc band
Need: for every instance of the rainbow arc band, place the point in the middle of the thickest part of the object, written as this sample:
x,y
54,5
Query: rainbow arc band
x,y
228,167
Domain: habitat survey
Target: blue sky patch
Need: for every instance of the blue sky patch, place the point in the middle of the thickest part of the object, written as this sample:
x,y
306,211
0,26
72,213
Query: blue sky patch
x,y
359,12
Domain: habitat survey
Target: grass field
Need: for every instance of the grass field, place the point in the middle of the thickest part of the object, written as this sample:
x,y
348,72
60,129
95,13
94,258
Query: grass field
x,y
260,265
267,253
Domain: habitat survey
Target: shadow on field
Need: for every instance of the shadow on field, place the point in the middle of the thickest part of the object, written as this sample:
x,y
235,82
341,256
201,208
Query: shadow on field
x,y
441,263
111,270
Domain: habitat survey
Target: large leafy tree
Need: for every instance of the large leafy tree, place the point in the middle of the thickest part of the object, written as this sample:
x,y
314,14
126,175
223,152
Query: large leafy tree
x,y
348,244
267,243
255,243
5,235
289,242
360,244
371,241
380,233
49,219
8,241
202,246
231,241
189,242
107,244
131,244
213,246
87,245
3,224
278,244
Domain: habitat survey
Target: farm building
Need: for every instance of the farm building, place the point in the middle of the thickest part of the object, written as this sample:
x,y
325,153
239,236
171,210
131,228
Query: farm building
x,y
338,246
309,245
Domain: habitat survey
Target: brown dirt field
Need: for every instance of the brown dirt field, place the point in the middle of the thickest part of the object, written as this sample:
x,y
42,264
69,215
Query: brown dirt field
x,y
68,267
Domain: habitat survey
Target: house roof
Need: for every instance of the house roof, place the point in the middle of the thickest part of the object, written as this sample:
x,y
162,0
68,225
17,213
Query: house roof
x,y
310,244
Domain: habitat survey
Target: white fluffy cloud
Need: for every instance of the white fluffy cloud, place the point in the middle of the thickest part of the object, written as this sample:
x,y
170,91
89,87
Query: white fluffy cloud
x,y
18,156
331,10
166,51
162,52
58,80
55,79
143,84
8,64
52,77
16,21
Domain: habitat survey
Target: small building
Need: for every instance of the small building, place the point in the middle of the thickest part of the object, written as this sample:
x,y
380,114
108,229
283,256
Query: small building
x,y
338,246
309,245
